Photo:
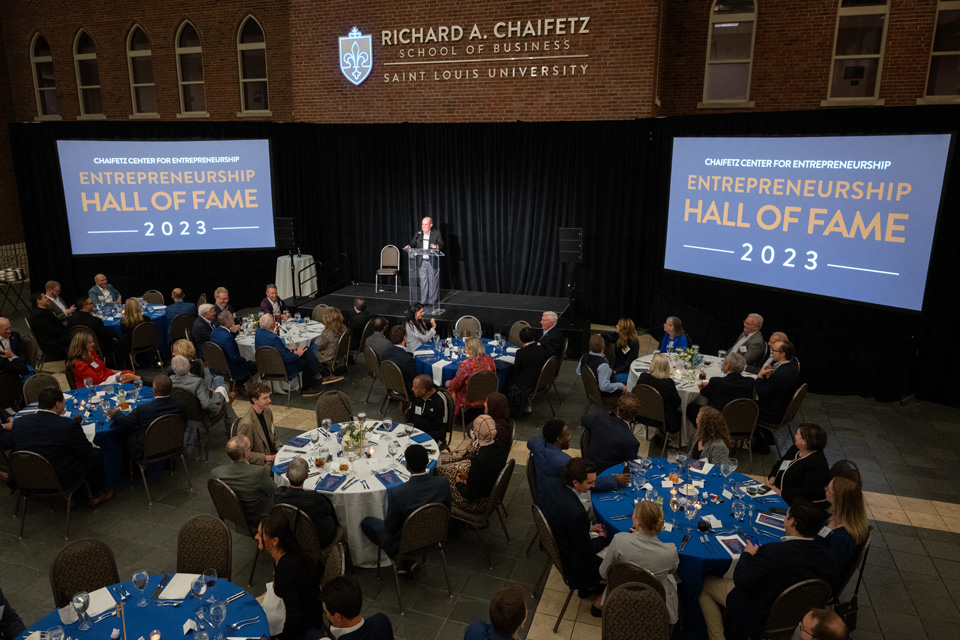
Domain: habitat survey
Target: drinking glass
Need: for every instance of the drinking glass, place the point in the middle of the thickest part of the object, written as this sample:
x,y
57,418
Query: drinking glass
x,y
196,588
326,423
739,508
672,455
315,437
733,464
137,385
479,333
646,463
456,334
721,354
88,383
681,460
297,317
55,633
81,602
140,583
651,495
690,511
695,347
726,470
497,337
210,579
218,613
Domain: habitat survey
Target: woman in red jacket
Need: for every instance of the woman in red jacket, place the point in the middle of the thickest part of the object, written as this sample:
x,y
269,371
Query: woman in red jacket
x,y
83,360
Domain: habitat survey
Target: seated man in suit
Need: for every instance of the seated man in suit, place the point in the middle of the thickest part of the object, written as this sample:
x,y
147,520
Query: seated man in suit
x,y
775,386
212,401
378,341
224,335
551,339
257,425
612,440
722,390
142,415
58,306
273,305
422,488
357,319
508,614
109,341
13,359
252,483
522,378
315,504
315,373
51,334
403,358
750,343
764,572
11,626
597,362
550,459
428,409
62,442
775,337
203,326
342,602
561,503
178,307
221,299
102,292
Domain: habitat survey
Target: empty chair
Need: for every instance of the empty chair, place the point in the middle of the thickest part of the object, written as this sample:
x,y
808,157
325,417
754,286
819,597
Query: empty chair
x,y
477,521
228,509
272,369
741,418
794,603
145,339
82,565
153,297
788,416
335,406
32,350
163,440
35,384
635,610
468,326
389,267
182,326
35,477
205,542
514,335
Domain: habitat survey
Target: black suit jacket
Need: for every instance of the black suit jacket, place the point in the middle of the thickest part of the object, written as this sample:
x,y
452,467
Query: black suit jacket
x,y
405,499
571,528
18,365
417,242
142,415
376,627
60,440
527,365
807,477
759,579
723,390
201,332
552,342
107,338
357,322
612,442
50,333
776,390
671,399
404,360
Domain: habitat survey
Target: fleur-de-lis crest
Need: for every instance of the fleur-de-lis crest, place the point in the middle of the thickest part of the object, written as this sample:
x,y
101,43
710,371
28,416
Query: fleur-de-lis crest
x,y
356,56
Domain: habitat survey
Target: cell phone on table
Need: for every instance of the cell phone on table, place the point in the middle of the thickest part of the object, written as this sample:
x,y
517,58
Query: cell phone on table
x,y
762,490
778,510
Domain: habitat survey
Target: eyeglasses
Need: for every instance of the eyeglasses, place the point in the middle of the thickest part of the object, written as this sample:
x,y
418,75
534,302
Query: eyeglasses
x,y
776,351
806,631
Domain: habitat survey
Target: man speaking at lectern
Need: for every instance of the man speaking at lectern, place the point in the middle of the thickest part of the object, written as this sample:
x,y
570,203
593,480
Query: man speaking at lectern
x,y
427,270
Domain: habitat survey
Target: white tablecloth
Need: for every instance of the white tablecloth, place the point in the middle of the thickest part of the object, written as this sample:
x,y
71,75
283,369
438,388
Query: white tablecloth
x,y
300,335
357,501
284,279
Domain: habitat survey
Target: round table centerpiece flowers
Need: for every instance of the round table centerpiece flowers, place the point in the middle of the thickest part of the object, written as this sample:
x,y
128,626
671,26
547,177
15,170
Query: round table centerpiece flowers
x,y
354,437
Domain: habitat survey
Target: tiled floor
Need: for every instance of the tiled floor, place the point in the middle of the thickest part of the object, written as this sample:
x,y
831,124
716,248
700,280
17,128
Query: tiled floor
x,y
907,454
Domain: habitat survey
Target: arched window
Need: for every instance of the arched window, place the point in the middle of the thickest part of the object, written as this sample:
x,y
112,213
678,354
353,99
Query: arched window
x,y
729,52
41,60
858,53
140,65
943,79
252,56
88,78
190,71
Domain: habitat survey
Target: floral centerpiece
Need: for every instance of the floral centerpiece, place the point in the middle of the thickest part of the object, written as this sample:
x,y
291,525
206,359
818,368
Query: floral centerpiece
x,y
354,435
692,357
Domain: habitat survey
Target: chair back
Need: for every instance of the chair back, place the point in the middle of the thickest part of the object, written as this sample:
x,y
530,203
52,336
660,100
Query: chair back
x,y
204,542
270,364
590,386
393,382
216,359
741,417
11,391
343,351
317,314
71,380
366,333
163,439
548,373
234,427
334,405
451,408
532,478
37,383
586,438
201,300
424,529
514,335
480,385
467,326
191,401
794,603
335,565
500,488
623,572
182,326
145,338
303,528
635,610
794,405
547,540
82,565
34,473
847,469
648,344
371,361
32,350
81,328
4,462
227,504
390,257
858,558
153,297
651,406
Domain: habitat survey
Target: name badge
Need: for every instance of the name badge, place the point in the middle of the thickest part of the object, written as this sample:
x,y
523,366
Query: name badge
x,y
743,349
625,350
825,531
95,365
418,410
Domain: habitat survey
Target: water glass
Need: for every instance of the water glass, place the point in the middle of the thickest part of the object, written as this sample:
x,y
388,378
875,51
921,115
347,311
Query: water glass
x,y
55,633
196,587
88,382
217,614
651,495
721,354
137,385
81,602
739,508
140,583
325,424
479,333
456,334
690,511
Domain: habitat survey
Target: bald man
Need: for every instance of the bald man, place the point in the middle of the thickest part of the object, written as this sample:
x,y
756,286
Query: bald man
x,y
428,270
102,292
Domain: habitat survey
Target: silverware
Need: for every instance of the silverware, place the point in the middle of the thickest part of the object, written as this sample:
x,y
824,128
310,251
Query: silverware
x,y
169,603
347,484
243,623
683,543
159,589
234,597
122,597
105,614
125,592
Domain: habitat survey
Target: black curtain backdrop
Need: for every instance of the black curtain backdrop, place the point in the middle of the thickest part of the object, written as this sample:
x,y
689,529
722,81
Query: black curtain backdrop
x,y
499,193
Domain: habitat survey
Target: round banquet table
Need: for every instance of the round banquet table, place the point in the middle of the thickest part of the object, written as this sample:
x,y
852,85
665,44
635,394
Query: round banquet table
x,y
689,391
98,427
359,492
112,314
295,334
168,620
443,369
696,559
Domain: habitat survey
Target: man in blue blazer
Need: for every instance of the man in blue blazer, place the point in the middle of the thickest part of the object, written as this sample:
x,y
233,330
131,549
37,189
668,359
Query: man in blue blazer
x,y
103,292
142,415
342,602
62,442
178,307
612,440
302,359
422,488
224,336
550,459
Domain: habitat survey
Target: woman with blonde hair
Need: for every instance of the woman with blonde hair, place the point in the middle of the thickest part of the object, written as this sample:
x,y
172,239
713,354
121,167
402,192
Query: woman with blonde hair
x,y
83,362
132,318
642,547
476,360
674,339
333,328
659,378
626,348
185,348
846,529
713,443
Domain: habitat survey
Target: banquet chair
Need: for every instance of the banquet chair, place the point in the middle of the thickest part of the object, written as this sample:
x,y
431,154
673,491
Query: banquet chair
x,y
741,417
35,384
303,528
788,417
35,477
145,339
71,381
586,439
592,388
96,341
197,415
547,375
317,314
163,440
334,405
234,428
271,368
479,386
853,564
468,326
477,521
847,469
182,326
648,345
532,485
201,300
216,361
609,352
451,413
394,387
635,610
790,606
342,359
549,544
32,350
228,508
366,333
651,411
152,297
622,572
372,362
335,565
514,335
204,542
82,565
389,267
424,529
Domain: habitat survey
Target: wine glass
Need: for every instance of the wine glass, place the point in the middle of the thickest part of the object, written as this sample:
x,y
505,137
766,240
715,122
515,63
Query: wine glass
x,y
81,602
315,438
196,588
363,417
681,460
210,579
690,511
88,383
739,508
726,469
672,455
721,354
137,385
55,633
479,333
325,424
456,334
733,464
218,613
140,583
651,495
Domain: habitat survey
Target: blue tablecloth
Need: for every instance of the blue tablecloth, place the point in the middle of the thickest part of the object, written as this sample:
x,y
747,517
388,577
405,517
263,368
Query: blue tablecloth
x,y
696,561
425,362
168,620
156,312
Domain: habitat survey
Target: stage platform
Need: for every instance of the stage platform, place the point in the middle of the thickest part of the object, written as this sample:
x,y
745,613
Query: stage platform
x,y
496,311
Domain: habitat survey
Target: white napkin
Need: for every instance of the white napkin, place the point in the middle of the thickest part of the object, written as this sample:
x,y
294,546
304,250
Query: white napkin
x,y
90,430
275,611
100,601
437,369
34,636
509,359
713,520
707,467
512,350
697,483
667,527
423,352
189,625
666,484
179,586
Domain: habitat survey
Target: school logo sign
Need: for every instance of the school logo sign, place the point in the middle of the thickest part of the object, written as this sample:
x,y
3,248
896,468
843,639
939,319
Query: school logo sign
x,y
356,56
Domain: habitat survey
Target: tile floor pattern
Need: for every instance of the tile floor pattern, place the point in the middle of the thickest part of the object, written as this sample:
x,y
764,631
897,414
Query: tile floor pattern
x,y
907,454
